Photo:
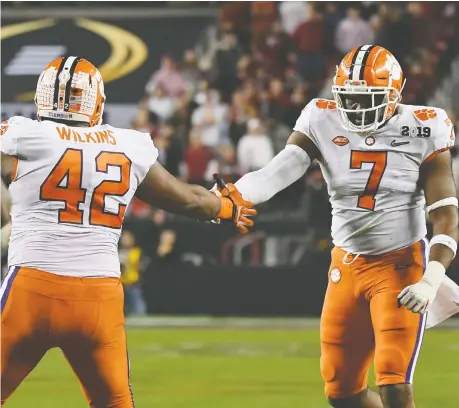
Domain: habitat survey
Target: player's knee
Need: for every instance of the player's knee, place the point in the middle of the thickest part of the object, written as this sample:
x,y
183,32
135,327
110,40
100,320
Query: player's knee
x,y
125,400
390,366
397,396
348,402
339,402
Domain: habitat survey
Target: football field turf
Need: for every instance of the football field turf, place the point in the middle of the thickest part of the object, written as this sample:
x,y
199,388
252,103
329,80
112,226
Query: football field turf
x,y
234,368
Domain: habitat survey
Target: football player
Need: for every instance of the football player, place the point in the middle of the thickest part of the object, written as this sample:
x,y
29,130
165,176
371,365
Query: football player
x,y
383,163
73,180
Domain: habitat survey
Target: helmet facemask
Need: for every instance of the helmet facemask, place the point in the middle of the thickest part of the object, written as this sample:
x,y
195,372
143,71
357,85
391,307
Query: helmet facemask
x,y
363,109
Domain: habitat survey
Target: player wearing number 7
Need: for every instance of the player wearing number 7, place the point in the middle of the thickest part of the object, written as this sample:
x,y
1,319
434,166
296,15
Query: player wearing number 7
x,y
73,181
382,161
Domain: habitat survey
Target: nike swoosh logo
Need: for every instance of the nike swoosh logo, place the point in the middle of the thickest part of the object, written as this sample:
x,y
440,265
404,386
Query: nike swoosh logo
x,y
398,266
395,144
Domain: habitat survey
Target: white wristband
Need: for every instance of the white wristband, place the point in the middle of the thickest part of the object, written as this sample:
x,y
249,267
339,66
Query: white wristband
x,y
434,274
443,203
446,240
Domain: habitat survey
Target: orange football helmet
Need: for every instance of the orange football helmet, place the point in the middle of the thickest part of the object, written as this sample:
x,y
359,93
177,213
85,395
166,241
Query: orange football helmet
x,y
70,89
367,88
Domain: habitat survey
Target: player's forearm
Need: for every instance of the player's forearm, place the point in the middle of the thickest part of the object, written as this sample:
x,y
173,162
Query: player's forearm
x,y
5,204
190,200
202,205
283,170
445,222
5,233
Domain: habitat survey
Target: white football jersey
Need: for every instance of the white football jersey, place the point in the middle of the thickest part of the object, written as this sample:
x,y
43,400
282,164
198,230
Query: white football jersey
x,y
69,194
372,181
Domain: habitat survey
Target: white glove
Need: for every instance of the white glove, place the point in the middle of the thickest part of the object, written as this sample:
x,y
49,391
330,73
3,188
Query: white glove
x,y
419,297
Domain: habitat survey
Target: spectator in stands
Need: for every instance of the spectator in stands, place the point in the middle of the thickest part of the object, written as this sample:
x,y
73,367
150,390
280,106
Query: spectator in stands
x,y
160,105
224,164
353,31
275,49
416,89
181,118
226,59
292,78
420,29
197,158
210,119
235,16
262,16
255,149
141,121
190,71
240,112
276,103
298,101
132,264
395,33
169,77
170,149
292,13
167,245
315,199
332,17
309,41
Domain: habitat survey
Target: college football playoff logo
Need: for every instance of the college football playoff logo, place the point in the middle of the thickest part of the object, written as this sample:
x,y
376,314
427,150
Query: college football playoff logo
x,y
340,140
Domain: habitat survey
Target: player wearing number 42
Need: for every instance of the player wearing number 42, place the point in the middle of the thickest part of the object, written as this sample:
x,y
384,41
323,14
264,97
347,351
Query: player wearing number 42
x,y
382,162
73,181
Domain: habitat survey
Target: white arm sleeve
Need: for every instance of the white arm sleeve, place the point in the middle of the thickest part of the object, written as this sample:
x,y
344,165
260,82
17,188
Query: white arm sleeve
x,y
284,169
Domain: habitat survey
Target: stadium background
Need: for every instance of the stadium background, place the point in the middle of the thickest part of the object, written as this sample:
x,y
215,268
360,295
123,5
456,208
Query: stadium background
x,y
219,86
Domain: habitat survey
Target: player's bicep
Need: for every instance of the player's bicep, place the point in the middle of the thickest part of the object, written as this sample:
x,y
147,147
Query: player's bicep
x,y
5,204
438,184
301,140
8,139
436,178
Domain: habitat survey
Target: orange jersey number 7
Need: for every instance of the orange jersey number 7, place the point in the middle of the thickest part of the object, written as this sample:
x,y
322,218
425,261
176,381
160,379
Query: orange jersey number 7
x,y
69,168
379,160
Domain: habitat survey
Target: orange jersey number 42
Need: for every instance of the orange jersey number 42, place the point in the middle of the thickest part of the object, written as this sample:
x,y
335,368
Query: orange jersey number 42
x,y
70,168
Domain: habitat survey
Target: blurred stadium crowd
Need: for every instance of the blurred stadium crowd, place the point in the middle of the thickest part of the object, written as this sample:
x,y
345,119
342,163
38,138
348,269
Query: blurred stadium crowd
x,y
230,107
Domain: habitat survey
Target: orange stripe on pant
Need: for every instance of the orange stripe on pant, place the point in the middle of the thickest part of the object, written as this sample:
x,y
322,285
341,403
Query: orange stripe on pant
x,y
82,316
361,320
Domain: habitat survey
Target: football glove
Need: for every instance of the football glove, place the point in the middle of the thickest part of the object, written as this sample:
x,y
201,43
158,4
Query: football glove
x,y
419,297
233,206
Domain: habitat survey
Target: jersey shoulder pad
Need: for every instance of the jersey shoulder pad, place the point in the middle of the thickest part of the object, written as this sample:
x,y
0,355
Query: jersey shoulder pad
x,y
13,133
426,115
326,105
140,143
440,136
15,121
132,136
312,114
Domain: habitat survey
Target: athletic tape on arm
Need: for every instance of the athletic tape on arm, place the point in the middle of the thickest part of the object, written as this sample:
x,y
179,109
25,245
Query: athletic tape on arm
x,y
443,203
284,169
446,240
